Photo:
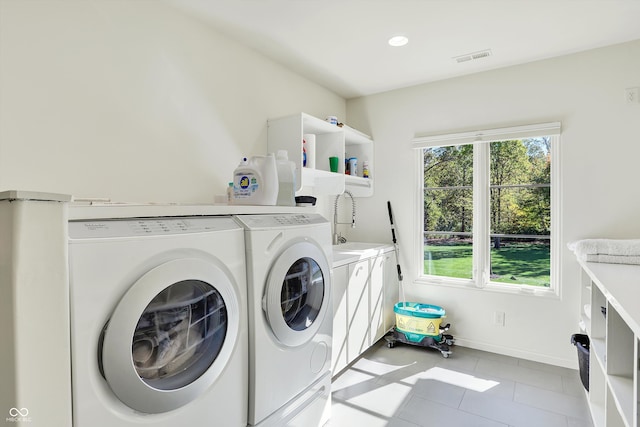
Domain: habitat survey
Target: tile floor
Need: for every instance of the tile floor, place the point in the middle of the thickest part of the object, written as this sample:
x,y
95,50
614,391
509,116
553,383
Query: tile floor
x,y
408,386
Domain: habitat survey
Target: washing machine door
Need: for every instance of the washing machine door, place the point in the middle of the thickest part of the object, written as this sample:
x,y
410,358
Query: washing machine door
x,y
171,335
297,294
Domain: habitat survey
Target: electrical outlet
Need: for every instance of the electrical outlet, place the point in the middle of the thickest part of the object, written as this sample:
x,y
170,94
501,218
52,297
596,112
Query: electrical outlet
x,y
498,318
632,95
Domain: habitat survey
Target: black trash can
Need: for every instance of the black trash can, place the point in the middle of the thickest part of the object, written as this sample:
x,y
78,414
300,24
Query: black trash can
x,y
581,342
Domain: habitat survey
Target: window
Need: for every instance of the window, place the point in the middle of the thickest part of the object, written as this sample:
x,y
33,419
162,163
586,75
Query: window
x,y
489,203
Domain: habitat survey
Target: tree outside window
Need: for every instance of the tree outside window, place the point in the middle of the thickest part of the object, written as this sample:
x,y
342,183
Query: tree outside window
x,y
518,218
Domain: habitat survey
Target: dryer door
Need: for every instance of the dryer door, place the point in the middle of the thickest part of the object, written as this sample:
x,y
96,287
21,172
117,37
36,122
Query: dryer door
x,y
171,335
297,295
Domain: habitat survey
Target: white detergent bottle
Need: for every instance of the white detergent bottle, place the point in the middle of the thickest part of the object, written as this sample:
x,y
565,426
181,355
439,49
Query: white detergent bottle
x,y
286,179
255,181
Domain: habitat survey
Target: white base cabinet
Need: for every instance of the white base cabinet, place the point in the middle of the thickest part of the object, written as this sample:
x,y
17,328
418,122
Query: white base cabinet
x,y
364,293
358,312
611,318
339,285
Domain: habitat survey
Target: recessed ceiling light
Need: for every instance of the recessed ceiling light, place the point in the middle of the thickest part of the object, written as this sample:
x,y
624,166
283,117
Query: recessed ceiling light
x,y
398,40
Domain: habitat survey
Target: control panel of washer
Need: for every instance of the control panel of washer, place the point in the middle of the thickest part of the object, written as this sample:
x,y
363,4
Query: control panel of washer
x,y
148,227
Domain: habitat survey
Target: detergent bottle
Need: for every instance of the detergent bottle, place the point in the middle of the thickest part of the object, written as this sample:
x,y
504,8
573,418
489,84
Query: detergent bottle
x,y
255,181
286,179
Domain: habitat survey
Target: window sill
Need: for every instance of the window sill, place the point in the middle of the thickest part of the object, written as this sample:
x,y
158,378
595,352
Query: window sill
x,y
491,287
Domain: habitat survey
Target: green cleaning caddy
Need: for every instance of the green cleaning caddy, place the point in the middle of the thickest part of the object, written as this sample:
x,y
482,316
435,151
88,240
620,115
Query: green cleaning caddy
x,y
420,324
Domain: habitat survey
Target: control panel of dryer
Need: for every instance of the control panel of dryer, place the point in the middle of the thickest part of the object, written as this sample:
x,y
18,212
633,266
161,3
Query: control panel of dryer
x,y
280,221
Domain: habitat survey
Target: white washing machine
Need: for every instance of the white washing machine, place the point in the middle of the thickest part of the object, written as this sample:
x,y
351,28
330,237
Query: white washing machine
x,y
158,322
290,319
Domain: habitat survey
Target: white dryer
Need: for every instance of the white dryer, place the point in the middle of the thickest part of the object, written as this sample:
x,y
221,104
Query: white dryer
x,y
158,322
290,319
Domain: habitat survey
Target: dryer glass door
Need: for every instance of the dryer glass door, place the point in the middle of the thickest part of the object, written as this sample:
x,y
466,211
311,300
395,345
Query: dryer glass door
x,y
179,334
297,295
302,294
171,335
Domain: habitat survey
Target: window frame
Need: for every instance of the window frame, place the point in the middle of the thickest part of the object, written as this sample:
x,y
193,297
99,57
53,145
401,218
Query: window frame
x,y
481,207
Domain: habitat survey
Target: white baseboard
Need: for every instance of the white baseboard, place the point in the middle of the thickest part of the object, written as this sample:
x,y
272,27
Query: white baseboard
x,y
514,352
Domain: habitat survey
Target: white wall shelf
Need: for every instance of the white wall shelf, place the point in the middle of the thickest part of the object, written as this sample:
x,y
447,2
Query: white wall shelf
x,y
286,133
614,389
357,144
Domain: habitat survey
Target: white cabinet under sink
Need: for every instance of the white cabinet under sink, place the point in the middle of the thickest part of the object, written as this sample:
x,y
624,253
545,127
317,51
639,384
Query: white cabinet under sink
x,y
365,289
358,311
339,285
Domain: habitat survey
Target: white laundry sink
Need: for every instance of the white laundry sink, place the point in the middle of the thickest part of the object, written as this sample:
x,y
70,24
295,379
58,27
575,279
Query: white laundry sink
x,y
353,251
358,246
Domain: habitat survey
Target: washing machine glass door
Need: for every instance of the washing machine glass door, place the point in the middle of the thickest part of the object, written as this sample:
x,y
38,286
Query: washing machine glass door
x,y
298,293
170,335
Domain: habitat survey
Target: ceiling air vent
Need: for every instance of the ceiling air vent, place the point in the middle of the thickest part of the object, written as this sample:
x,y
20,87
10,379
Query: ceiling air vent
x,y
472,56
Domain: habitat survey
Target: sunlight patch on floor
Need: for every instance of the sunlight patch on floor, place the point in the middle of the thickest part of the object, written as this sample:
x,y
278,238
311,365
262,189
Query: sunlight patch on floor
x,y
459,379
378,368
383,401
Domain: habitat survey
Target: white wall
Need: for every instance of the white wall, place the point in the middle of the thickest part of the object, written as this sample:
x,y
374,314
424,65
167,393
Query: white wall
x,y
134,101
599,166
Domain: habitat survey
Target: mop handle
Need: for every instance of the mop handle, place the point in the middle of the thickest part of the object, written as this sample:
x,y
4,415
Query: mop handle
x,y
393,227
395,242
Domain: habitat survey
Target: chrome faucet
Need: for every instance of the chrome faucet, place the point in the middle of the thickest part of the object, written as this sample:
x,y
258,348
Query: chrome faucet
x,y
337,238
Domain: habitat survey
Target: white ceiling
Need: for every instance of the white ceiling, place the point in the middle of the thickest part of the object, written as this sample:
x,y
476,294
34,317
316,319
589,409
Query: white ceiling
x,y
342,44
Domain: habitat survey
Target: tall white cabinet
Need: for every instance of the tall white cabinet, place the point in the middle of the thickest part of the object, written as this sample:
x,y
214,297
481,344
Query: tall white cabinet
x,y
286,133
35,369
611,317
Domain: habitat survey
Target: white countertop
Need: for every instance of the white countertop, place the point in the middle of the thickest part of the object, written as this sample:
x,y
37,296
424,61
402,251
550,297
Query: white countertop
x,y
34,195
620,284
80,209
108,210
349,252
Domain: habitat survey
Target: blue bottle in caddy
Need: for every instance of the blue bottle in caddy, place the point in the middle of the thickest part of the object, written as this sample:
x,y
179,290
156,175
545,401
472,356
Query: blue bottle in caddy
x,y
351,166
